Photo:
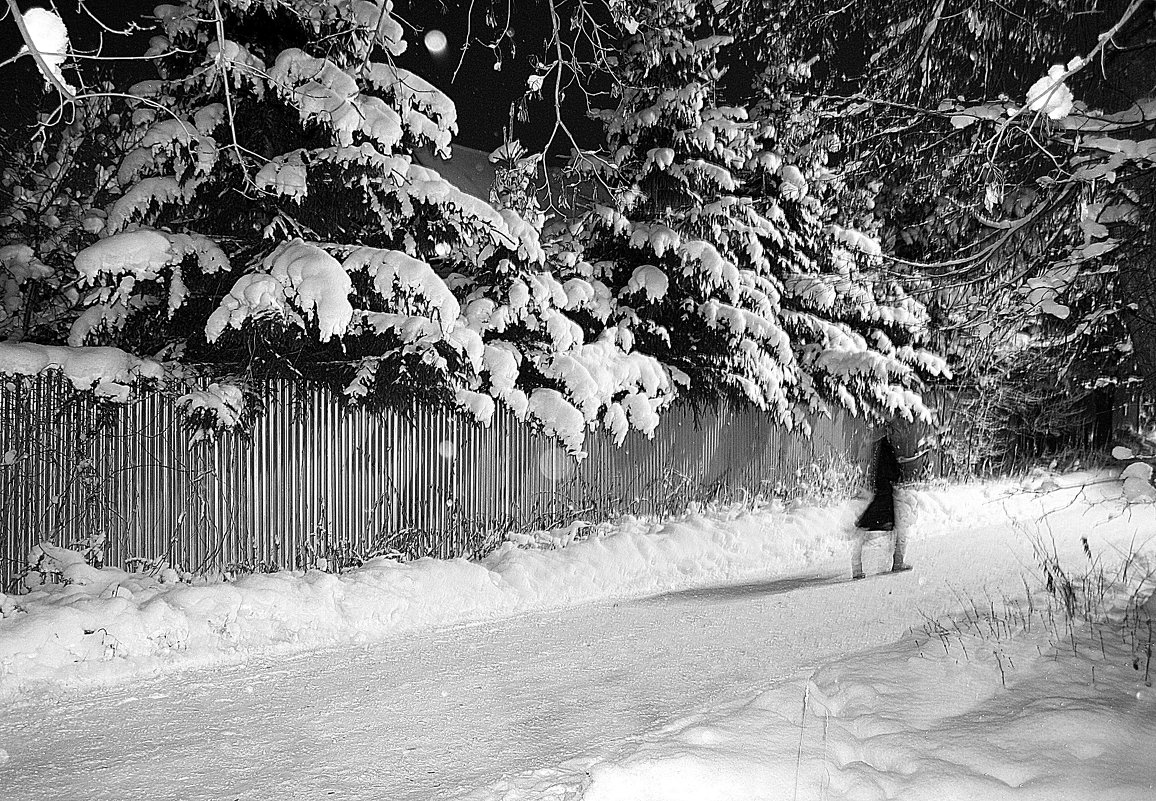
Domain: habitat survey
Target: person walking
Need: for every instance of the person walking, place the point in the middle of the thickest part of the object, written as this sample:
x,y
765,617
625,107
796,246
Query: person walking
x,y
879,516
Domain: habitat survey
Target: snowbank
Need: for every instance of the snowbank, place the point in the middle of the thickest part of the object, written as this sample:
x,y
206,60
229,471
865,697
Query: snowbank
x,y
107,625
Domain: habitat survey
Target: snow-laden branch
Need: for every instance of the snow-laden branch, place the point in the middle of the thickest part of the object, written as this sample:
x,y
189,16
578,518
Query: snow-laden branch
x,y
46,40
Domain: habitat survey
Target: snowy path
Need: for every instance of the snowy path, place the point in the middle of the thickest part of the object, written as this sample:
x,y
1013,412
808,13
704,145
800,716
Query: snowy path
x,y
419,717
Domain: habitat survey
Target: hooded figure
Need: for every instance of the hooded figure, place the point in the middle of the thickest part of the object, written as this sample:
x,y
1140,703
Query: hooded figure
x,y
879,516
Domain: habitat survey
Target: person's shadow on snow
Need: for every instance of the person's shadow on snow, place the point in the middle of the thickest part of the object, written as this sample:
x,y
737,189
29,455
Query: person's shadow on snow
x,y
727,592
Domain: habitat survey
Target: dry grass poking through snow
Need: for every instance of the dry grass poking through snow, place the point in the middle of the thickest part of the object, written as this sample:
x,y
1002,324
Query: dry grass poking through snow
x,y
1085,608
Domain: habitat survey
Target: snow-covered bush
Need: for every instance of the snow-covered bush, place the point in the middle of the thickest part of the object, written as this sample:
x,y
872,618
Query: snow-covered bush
x,y
54,564
554,538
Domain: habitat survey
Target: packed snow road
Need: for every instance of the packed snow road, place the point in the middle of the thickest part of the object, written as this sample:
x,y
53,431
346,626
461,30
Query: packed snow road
x,y
427,715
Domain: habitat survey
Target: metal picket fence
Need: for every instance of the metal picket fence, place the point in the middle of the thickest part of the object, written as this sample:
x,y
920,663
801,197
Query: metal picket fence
x,y
314,479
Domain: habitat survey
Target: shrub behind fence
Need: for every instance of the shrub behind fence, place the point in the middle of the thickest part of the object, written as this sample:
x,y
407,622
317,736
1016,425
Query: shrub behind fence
x,y
314,480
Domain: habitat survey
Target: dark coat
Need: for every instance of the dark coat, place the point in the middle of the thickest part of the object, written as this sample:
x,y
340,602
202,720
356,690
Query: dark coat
x,y
886,473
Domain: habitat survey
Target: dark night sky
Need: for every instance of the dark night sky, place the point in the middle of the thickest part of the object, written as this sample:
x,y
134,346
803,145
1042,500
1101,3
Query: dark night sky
x,y
482,94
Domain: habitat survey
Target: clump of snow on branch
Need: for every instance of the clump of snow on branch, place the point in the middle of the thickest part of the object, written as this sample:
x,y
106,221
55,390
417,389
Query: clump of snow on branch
x,y
286,176
477,404
216,407
631,387
1050,95
298,273
856,240
110,373
49,36
393,271
559,418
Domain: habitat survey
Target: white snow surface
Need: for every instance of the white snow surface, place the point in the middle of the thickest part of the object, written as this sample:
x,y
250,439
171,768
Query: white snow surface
x,y
717,656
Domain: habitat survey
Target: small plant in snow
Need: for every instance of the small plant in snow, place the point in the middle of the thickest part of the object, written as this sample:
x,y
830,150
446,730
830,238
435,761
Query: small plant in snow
x,y
1092,597
82,564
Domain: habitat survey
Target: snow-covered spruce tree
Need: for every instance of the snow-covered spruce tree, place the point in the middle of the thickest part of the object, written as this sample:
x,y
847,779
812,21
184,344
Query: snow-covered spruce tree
x,y
835,274
714,250
271,219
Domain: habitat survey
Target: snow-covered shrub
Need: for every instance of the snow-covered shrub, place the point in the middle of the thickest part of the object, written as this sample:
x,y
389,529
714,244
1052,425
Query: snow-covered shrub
x,y
215,408
552,539
323,554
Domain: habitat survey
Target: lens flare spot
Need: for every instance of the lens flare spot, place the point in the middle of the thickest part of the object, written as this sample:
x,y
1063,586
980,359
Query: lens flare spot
x,y
435,42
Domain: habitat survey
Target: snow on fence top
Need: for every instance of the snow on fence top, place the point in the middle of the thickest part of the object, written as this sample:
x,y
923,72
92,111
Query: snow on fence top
x,y
109,372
